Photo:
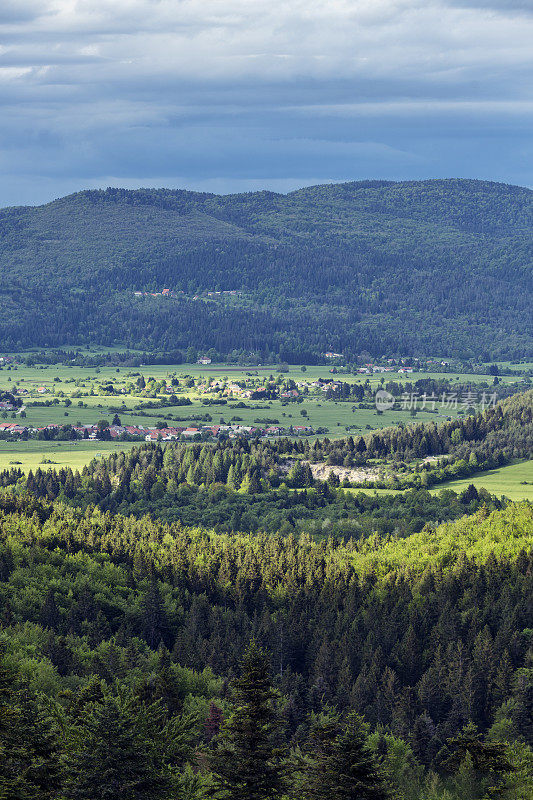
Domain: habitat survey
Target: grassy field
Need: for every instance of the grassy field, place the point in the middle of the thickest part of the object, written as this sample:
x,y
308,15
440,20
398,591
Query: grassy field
x,y
30,455
506,481
338,417
69,387
83,385
44,374
64,383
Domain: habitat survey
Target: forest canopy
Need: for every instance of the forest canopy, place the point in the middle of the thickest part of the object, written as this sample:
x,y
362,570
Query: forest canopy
x,y
125,652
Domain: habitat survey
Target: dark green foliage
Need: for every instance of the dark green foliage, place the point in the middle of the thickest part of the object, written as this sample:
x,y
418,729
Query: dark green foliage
x,y
424,266
213,722
340,763
413,633
29,743
154,625
245,759
420,634
484,765
116,759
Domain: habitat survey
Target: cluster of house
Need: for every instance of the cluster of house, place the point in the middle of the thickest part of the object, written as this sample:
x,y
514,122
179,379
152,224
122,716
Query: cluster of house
x,y
369,369
234,390
163,293
253,392
321,384
231,431
22,390
15,428
150,434
181,293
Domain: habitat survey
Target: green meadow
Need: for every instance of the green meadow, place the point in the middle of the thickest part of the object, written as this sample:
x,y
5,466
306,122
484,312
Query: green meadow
x,y
54,455
65,383
74,397
514,481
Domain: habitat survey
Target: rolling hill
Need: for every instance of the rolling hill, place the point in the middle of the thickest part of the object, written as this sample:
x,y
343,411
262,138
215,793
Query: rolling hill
x,y
441,266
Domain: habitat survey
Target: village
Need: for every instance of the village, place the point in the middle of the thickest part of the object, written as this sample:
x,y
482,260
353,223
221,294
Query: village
x,y
181,295
149,433
60,410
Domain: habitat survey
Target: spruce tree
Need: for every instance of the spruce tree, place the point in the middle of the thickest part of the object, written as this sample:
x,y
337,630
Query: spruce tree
x,y
246,760
13,753
29,752
340,764
155,627
114,759
482,765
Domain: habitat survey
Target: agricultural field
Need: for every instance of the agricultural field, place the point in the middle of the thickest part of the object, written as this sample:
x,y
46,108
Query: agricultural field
x,y
62,395
514,481
53,455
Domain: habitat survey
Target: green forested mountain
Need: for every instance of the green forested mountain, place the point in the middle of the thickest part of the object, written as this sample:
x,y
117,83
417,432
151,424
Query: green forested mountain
x,y
416,267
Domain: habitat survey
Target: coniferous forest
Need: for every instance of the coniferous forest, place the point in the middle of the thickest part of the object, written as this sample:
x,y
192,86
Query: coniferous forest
x,y
206,621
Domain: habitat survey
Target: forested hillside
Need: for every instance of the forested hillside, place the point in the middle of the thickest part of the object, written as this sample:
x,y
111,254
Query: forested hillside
x,y
119,636
440,267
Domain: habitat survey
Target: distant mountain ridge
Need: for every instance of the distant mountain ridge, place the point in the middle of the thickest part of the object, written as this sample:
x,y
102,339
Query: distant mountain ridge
x,y
440,266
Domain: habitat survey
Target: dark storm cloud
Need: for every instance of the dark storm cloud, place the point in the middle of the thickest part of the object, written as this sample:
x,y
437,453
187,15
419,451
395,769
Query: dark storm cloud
x,y
259,92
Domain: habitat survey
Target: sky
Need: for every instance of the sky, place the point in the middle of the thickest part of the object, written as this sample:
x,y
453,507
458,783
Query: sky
x,y
239,95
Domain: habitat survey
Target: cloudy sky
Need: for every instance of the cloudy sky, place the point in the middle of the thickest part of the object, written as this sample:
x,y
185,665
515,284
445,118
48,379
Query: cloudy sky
x,y
234,95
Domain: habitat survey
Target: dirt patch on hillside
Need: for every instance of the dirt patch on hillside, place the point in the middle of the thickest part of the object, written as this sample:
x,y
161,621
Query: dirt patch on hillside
x,y
431,459
322,471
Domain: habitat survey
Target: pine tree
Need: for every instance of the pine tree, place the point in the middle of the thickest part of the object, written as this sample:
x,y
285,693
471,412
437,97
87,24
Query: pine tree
x,y
340,764
166,688
50,615
155,627
250,483
245,761
231,481
481,765
12,755
114,760
29,752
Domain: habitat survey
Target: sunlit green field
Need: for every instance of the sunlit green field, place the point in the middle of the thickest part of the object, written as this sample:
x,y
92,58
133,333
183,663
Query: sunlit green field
x,y
30,455
337,417
506,481
44,375
63,382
